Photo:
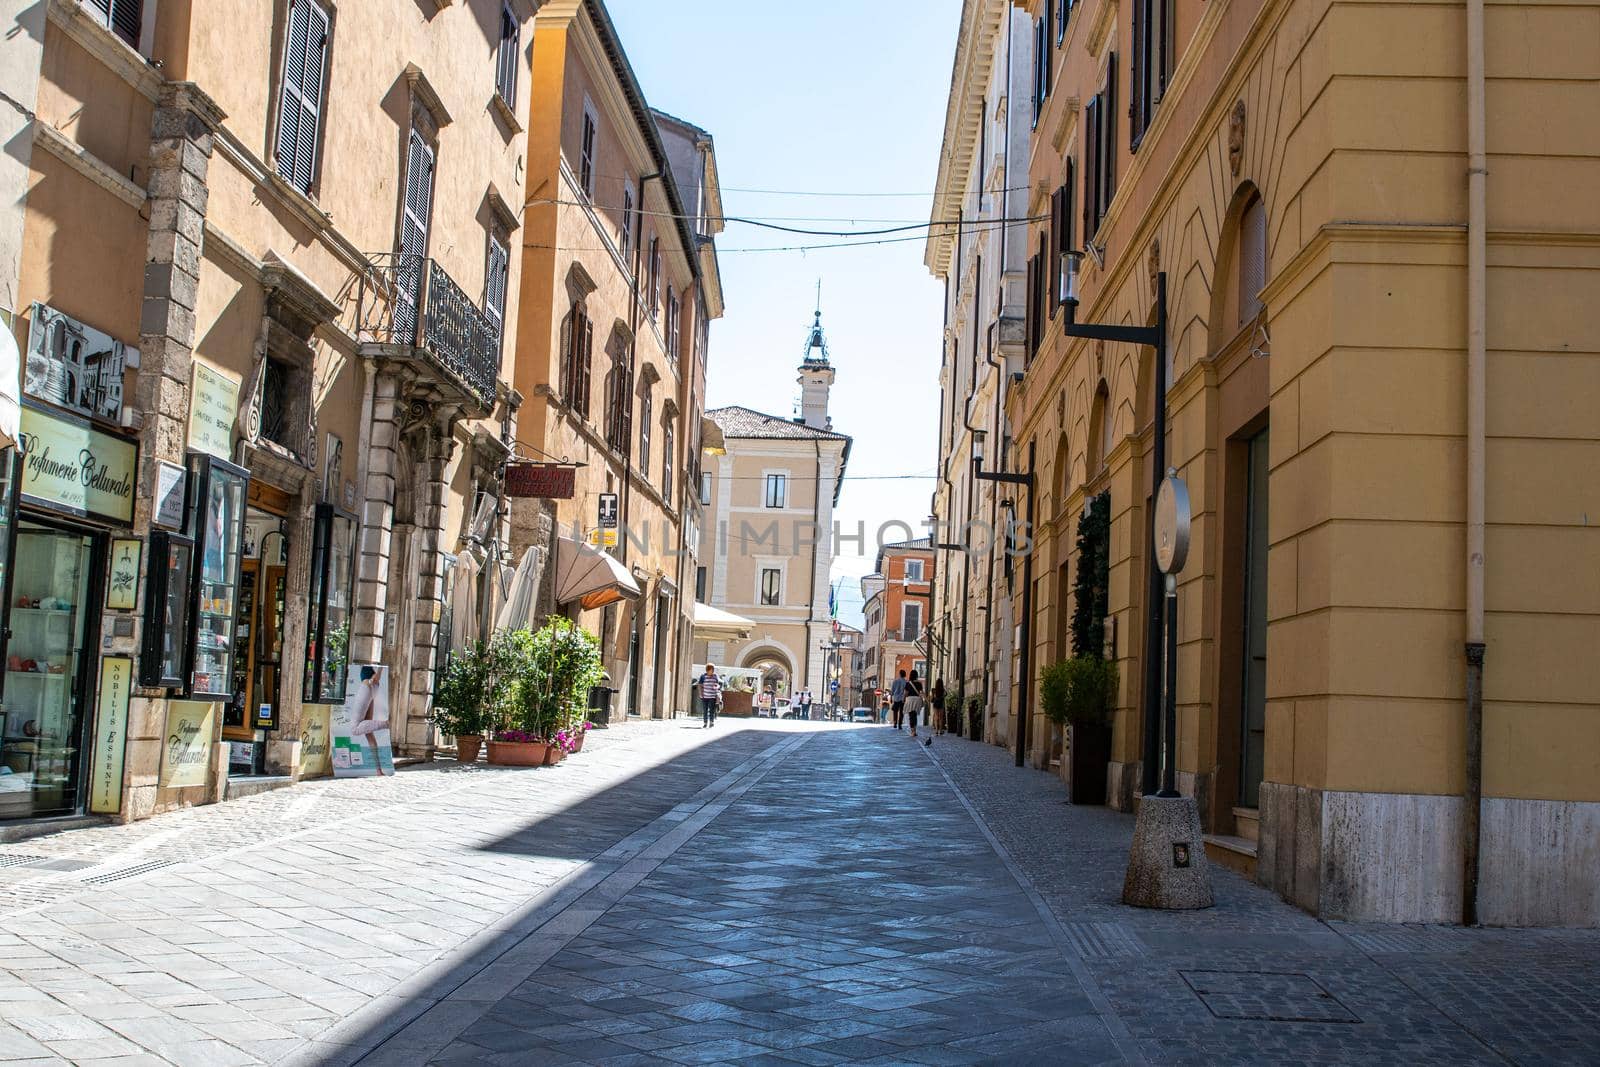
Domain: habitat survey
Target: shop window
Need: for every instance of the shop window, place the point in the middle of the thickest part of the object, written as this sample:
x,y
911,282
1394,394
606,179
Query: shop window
x,y
300,96
332,594
216,519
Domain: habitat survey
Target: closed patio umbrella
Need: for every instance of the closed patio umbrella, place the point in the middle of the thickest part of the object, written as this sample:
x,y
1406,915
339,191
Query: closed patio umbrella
x,y
518,609
464,600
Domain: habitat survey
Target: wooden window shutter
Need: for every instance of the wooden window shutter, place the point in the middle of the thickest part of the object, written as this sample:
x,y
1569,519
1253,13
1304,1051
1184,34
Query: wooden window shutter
x,y
1108,142
125,18
586,366
505,75
1052,270
1029,343
1091,168
300,97
1140,72
1045,54
1067,242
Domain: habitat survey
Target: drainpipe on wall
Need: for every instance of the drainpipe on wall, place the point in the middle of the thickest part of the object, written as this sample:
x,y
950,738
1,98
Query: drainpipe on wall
x,y
1477,343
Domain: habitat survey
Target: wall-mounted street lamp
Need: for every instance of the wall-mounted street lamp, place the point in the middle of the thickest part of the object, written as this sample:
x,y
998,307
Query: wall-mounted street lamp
x,y
1154,336
1025,653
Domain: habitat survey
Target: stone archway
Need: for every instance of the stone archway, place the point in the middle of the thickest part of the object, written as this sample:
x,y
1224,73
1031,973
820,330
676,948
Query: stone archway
x,y
775,665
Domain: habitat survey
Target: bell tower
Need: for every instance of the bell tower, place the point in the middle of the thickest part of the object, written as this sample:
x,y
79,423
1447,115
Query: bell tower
x,y
816,375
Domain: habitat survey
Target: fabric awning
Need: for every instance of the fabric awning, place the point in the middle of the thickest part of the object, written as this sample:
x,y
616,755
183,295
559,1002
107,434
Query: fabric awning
x,y
590,577
714,624
10,388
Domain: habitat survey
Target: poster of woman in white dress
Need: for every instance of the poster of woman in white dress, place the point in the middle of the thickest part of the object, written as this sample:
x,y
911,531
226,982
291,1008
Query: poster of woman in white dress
x,y
361,725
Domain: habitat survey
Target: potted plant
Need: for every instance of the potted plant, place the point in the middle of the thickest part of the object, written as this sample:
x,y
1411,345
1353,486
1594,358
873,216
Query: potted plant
x,y
554,670
1079,693
975,712
518,740
463,701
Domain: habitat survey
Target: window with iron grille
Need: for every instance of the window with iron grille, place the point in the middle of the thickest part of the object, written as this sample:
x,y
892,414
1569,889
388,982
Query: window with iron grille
x,y
505,66
275,382
586,155
577,361
771,587
668,461
777,490
300,97
1152,63
494,283
124,18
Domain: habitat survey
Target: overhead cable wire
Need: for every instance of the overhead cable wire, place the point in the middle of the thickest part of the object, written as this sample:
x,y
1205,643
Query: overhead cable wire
x,y
959,224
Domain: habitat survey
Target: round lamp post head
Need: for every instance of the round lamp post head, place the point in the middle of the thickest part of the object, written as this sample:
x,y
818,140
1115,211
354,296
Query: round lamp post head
x,y
1172,517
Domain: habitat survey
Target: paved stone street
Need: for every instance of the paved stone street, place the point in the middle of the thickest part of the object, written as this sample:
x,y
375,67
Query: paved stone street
x,y
759,893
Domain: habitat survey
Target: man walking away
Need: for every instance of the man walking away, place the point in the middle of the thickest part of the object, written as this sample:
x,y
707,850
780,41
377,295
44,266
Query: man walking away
x,y
710,695
914,701
897,700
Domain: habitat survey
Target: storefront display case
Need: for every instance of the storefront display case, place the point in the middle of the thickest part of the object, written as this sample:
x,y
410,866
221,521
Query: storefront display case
x,y
216,522
332,594
167,598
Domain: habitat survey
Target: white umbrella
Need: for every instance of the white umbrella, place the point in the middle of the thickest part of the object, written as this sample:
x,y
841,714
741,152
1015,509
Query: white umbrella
x,y
463,600
518,609
714,624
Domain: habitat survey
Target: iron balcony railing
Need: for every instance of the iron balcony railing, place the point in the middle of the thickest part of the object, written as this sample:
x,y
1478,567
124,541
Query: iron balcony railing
x,y
411,300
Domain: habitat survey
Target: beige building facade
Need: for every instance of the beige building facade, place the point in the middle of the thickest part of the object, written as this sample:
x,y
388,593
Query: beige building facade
x,y
619,286
1377,335
767,536
263,278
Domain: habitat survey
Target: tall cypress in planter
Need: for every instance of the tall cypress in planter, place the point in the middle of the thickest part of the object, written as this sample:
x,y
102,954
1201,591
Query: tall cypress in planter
x,y
1091,680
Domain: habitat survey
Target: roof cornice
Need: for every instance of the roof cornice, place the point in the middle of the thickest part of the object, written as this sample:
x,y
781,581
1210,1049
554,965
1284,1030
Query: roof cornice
x,y
981,25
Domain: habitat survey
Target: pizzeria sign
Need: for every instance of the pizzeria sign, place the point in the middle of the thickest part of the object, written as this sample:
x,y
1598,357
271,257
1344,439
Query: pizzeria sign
x,y
552,481
70,466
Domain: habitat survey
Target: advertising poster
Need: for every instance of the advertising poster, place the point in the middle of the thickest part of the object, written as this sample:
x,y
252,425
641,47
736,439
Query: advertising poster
x,y
187,756
110,734
213,405
361,725
316,761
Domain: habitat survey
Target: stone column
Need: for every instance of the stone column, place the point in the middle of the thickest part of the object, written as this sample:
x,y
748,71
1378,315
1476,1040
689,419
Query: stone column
x,y
436,442
377,518
180,154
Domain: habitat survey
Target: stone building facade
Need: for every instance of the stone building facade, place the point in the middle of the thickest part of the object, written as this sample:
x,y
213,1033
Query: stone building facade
x,y
1376,331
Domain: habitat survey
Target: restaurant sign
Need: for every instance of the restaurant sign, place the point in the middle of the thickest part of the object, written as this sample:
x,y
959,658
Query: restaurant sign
x,y
551,481
70,466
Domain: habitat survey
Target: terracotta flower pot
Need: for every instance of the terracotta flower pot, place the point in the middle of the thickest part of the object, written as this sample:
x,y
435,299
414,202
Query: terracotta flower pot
x,y
553,754
467,748
578,745
517,753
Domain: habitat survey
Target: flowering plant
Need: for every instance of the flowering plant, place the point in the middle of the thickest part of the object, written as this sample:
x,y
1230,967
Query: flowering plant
x,y
566,740
521,737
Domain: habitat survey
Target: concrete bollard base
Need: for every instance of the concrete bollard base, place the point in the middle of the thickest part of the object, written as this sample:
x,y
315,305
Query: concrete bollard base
x,y
1167,863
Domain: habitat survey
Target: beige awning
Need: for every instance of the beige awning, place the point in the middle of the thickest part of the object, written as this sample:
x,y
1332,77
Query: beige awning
x,y
590,577
714,624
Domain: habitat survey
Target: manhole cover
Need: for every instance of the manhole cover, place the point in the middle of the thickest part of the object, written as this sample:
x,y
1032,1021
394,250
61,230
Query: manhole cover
x,y
1267,996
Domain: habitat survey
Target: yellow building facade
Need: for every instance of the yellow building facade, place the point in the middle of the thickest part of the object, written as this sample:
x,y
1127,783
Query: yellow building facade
x,y
1381,388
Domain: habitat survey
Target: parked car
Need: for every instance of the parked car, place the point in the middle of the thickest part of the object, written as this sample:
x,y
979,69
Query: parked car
x,y
862,714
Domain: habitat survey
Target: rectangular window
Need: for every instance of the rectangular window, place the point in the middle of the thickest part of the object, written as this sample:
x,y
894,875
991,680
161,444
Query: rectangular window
x,y
1100,152
668,461
1152,63
913,570
655,276
705,487
505,68
777,490
305,61
1038,70
494,283
275,378
586,155
1063,10
645,404
674,311
627,227
576,361
910,621
122,17
771,586
700,584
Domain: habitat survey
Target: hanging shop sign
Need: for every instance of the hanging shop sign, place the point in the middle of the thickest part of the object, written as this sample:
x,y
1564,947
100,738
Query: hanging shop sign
x,y
550,481
171,480
213,406
70,466
75,366
316,755
110,734
187,756
122,588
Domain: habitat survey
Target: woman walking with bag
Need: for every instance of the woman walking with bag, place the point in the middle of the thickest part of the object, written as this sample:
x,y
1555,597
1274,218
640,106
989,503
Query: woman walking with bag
x,y
936,700
914,700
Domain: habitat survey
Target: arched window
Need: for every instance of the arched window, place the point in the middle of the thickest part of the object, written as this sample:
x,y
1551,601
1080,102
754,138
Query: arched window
x,y
1099,430
1252,259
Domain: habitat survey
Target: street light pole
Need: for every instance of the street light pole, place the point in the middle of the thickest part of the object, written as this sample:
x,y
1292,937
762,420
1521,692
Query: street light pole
x,y
1154,337
1025,653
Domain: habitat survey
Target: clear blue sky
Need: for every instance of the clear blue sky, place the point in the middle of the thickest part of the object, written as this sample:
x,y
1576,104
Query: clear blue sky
x,y
828,96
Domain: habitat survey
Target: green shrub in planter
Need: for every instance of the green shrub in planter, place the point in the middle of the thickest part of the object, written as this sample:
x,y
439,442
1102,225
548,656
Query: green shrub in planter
x,y
1079,691
976,709
552,672
468,699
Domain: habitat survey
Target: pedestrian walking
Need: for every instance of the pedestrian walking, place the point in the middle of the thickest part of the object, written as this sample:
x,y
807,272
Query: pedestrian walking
x,y
936,702
710,697
897,700
883,708
914,701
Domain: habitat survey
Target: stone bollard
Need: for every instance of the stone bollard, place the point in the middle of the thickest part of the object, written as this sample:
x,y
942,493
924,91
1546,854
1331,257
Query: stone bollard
x,y
1167,864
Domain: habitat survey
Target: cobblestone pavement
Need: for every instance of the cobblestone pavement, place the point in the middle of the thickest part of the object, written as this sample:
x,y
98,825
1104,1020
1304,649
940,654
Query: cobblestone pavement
x,y
759,893
1255,980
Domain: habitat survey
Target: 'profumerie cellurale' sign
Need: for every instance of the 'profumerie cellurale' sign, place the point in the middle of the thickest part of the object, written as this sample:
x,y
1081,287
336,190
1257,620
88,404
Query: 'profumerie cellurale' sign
x,y
69,465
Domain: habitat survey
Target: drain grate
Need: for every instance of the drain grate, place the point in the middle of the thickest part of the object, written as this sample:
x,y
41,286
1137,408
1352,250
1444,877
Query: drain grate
x,y
128,872
1102,941
13,860
1267,996
1404,941
62,864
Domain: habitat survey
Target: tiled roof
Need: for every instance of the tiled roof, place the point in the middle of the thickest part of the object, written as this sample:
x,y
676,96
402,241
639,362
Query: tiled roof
x,y
735,421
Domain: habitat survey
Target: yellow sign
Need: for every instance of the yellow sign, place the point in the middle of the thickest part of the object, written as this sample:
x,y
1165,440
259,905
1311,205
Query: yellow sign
x,y
316,755
213,405
70,466
187,755
110,735
603,538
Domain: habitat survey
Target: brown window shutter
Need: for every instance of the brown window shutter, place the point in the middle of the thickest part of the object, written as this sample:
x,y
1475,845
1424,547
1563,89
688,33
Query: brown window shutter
x,y
1091,168
1067,243
1140,72
1108,117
